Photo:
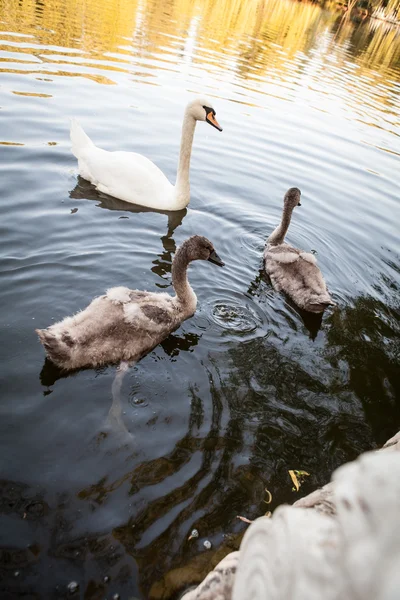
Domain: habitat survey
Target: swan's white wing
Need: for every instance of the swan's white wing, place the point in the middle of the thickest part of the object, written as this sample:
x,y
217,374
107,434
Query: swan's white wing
x,y
126,175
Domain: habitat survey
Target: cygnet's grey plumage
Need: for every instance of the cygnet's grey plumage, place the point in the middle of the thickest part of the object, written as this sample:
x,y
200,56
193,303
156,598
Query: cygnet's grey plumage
x,y
294,271
125,324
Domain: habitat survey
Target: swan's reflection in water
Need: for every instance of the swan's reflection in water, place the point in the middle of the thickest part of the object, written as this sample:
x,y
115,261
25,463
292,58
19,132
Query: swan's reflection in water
x,y
172,345
84,190
261,285
114,423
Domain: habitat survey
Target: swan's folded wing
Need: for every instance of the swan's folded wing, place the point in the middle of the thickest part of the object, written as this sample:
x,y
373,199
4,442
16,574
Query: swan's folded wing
x,y
152,312
126,175
282,254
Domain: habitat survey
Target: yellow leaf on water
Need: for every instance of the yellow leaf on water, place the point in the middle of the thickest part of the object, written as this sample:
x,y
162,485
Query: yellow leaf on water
x,y
294,479
302,473
297,478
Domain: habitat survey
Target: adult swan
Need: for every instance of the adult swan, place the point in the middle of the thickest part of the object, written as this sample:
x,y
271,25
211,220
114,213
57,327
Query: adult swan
x,y
133,177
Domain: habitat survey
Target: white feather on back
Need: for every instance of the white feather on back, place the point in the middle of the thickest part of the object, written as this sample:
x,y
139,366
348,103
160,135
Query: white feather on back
x,y
284,257
308,257
119,295
133,313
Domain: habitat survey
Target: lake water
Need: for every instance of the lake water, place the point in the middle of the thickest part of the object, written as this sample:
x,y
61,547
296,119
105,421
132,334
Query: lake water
x,y
248,388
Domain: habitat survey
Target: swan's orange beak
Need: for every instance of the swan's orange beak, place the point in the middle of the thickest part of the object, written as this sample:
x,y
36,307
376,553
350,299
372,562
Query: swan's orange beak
x,y
210,118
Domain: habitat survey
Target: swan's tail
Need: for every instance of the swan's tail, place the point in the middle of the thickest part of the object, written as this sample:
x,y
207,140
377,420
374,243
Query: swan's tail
x,y
321,304
58,350
79,138
326,300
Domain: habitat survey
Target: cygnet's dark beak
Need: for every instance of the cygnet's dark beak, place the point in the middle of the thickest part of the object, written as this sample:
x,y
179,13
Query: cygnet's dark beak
x,y
299,204
214,258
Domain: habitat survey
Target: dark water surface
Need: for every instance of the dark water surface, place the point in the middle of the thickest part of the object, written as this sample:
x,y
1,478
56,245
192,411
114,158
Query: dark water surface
x,y
248,388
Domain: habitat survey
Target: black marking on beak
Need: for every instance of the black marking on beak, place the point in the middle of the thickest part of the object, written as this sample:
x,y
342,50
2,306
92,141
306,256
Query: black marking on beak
x,y
210,118
214,258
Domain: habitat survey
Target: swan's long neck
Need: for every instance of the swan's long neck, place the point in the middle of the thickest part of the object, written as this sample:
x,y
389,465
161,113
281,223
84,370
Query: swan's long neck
x,y
182,185
184,292
278,235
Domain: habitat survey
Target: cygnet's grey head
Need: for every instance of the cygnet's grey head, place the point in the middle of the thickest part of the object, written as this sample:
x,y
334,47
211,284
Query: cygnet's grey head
x,y
198,247
292,198
202,109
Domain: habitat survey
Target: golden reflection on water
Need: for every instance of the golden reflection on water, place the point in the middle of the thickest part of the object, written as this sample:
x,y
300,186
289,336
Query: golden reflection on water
x,y
260,35
89,25
33,94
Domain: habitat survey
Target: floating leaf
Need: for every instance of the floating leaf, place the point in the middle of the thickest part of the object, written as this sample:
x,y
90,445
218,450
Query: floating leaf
x,y
302,474
244,519
295,482
297,477
269,497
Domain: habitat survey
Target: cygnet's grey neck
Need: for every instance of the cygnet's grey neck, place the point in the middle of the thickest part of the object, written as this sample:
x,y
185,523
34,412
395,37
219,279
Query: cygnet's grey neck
x,y
278,235
182,185
179,278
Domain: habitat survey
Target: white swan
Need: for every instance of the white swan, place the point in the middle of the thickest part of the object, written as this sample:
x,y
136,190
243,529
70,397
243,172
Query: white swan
x,y
133,177
124,324
294,271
